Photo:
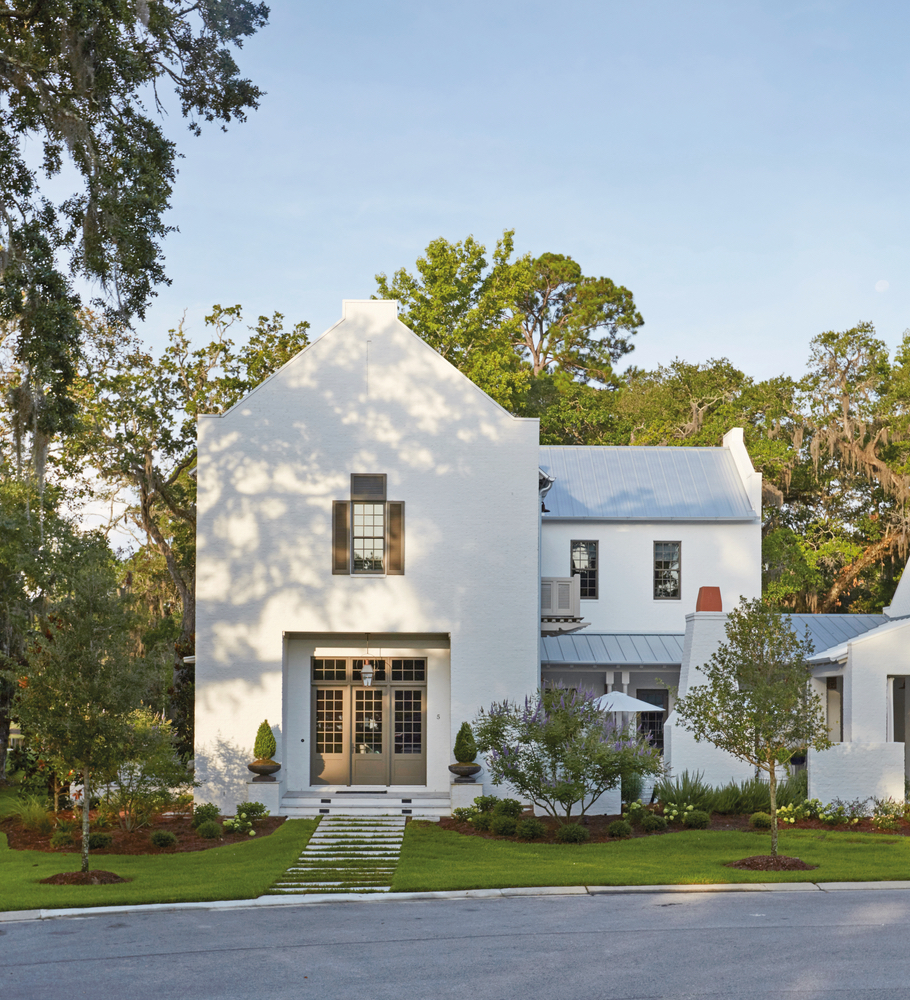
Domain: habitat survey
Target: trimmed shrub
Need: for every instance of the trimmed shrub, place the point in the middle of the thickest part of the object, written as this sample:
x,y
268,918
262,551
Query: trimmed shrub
x,y
620,828
530,829
503,826
163,838
696,820
464,814
254,811
204,813
760,820
265,745
652,823
508,807
482,821
210,829
465,748
573,833
98,841
485,803
61,838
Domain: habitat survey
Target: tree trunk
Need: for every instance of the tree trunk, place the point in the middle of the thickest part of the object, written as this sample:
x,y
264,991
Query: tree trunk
x,y
842,582
772,788
86,801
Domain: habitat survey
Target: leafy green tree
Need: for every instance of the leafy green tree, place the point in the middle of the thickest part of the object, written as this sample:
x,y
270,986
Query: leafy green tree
x,y
139,434
459,304
81,679
147,773
560,750
569,322
76,76
756,703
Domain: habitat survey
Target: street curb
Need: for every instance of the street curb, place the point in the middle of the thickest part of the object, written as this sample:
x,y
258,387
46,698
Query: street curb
x,y
315,899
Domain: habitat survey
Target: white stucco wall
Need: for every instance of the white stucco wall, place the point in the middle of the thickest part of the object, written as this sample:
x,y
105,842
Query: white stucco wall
x,y
367,397
725,555
850,771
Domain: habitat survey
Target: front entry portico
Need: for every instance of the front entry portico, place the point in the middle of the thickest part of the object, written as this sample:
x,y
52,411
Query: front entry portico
x,y
368,735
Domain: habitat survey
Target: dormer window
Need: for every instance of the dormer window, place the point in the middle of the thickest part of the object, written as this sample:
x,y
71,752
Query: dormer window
x,y
368,530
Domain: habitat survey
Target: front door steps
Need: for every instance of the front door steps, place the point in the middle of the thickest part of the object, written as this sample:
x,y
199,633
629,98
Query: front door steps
x,y
342,801
346,854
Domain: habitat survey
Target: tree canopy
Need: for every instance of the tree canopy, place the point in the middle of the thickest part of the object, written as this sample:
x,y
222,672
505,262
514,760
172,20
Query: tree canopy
x,y
76,77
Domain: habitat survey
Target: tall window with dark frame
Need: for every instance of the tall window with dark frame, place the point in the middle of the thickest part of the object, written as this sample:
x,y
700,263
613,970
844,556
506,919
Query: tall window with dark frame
x,y
368,530
667,571
584,564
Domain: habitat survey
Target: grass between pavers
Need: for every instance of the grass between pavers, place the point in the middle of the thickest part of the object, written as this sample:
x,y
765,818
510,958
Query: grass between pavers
x,y
234,871
435,859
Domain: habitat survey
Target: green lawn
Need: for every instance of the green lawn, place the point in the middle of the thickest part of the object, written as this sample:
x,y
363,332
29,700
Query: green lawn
x,y
235,871
435,859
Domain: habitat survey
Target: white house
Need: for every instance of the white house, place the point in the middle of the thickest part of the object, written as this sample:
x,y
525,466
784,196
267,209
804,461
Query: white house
x,y
382,550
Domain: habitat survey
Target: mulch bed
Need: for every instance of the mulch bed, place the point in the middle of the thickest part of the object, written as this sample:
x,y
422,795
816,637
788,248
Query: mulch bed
x,y
84,878
135,842
769,863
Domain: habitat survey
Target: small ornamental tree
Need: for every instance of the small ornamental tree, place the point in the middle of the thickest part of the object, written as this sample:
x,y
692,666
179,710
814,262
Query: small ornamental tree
x,y
757,704
265,744
465,746
561,750
81,681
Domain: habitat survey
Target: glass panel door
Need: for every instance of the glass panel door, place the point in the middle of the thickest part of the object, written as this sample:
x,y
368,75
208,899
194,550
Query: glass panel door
x,y
330,759
409,756
369,757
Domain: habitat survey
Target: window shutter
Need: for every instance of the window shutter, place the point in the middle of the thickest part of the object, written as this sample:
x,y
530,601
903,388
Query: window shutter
x,y
395,565
546,598
341,538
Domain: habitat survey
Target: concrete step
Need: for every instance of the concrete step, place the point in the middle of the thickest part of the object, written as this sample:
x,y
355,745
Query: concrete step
x,y
418,805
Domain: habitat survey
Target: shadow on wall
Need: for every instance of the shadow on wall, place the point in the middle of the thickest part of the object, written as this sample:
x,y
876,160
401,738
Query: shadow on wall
x,y
221,770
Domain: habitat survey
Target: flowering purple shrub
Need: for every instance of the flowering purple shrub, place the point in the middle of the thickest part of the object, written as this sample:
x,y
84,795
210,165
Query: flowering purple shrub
x,y
560,750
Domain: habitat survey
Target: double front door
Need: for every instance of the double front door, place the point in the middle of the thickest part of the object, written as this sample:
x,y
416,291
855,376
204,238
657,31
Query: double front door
x,y
369,735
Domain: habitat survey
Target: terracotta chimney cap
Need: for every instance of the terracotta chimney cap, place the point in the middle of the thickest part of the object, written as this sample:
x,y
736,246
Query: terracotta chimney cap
x,y
709,599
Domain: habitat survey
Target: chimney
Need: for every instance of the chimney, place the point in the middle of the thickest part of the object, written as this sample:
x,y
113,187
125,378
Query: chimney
x,y
709,599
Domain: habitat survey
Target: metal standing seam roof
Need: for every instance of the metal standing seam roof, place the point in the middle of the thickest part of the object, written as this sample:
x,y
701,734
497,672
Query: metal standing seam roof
x,y
639,649
827,631
630,483
664,649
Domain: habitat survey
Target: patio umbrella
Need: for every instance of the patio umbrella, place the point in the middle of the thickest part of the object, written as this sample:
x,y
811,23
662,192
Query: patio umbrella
x,y
616,701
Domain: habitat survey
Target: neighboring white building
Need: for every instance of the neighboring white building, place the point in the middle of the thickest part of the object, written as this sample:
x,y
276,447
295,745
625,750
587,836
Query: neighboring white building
x,y
369,507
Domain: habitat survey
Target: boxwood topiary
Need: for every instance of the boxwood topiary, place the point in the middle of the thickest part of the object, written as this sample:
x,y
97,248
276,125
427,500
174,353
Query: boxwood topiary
x,y
265,745
209,829
652,823
465,748
696,820
205,812
530,828
760,820
163,838
573,833
504,826
508,807
620,828
482,821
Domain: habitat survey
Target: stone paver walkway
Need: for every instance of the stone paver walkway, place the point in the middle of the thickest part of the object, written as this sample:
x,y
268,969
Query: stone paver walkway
x,y
346,854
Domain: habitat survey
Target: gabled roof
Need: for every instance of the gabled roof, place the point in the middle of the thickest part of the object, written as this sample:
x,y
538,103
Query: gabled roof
x,y
652,484
632,649
826,631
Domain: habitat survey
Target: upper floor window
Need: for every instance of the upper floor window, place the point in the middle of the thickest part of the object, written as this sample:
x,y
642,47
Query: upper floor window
x,y
584,564
368,530
667,571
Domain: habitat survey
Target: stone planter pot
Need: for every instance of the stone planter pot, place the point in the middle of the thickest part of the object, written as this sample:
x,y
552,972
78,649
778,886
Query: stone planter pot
x,y
264,769
465,772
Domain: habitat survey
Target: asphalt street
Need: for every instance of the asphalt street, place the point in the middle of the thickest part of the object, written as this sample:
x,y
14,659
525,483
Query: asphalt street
x,y
794,945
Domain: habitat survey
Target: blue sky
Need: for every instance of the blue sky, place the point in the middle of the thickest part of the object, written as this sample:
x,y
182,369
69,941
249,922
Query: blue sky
x,y
741,167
